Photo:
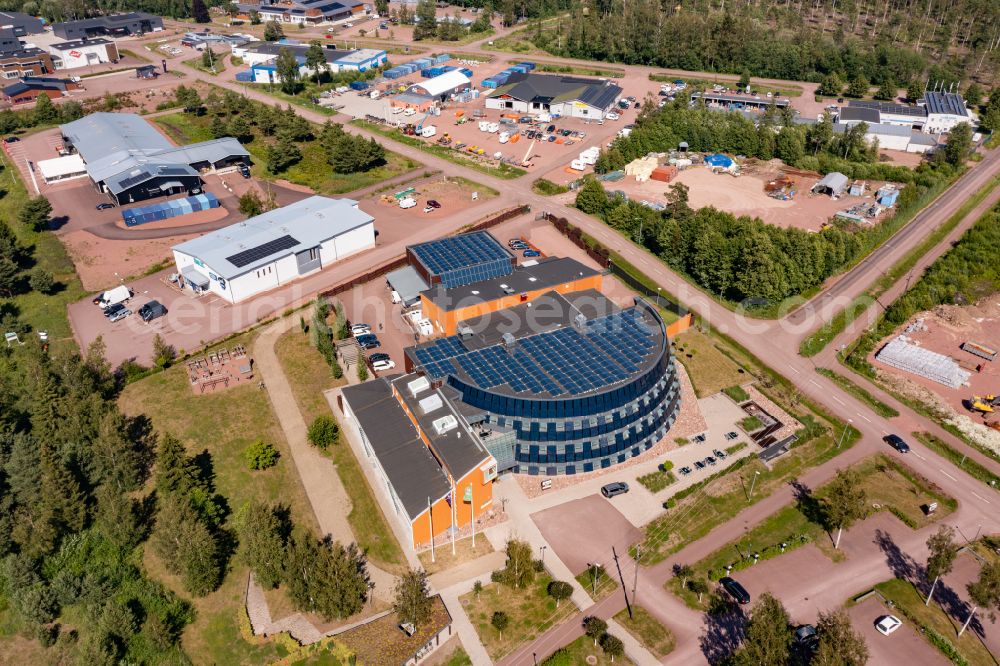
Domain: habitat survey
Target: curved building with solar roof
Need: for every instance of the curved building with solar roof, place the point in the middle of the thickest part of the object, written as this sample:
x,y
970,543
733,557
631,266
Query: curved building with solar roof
x,y
564,384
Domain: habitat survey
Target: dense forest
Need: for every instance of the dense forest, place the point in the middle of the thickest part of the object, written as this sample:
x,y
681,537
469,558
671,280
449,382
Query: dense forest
x,y
885,41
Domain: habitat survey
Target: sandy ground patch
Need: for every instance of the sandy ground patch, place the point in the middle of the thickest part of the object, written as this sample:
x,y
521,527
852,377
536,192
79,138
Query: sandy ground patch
x,y
947,327
453,194
104,263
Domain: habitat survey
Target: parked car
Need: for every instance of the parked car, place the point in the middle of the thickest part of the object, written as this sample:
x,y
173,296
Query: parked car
x,y
104,206
514,241
888,624
531,253
11,139
684,470
360,329
896,442
550,138
118,315
698,439
735,590
616,488
699,464
433,203
378,356
152,310
113,309
244,171
612,116
721,455
368,341
805,638
550,129
731,435
710,461
382,366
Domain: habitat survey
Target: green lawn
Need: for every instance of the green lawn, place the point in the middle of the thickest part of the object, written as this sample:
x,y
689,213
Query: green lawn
x,y
223,424
531,612
309,376
938,628
505,171
861,394
889,486
41,312
646,629
737,393
597,586
197,63
710,370
547,187
312,171
578,652
581,70
656,481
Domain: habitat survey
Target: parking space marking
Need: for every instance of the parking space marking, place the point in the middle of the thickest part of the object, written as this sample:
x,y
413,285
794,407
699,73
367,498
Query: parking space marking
x,y
864,417
813,381
792,368
839,400
981,497
948,475
919,456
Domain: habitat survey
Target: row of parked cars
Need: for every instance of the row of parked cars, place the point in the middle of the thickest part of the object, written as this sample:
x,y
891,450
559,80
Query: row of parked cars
x,y
113,303
518,245
363,335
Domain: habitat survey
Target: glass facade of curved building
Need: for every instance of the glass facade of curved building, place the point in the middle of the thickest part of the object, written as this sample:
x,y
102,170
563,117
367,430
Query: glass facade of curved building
x,y
585,394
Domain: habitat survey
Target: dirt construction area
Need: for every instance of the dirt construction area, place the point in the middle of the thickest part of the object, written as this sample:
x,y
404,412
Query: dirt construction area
x,y
943,330
745,195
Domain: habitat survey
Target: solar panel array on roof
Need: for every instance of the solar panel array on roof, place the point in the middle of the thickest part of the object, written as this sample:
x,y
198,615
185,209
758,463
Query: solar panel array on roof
x,y
135,179
246,257
464,259
889,107
560,362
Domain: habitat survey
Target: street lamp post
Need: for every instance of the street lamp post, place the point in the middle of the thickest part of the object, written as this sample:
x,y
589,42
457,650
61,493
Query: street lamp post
x,y
844,434
541,550
753,483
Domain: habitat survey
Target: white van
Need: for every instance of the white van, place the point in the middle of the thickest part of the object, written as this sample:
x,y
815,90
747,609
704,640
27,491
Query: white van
x,y
410,112
484,126
428,131
504,137
493,128
397,110
375,94
120,294
408,202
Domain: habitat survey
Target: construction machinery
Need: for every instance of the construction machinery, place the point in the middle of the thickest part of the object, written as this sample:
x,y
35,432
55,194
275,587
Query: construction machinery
x,y
527,155
983,405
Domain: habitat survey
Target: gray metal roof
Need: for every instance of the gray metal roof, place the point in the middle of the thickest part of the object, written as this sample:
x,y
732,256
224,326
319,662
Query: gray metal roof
x,y
547,87
546,274
730,98
457,449
412,472
115,144
298,50
77,43
947,103
148,171
859,114
307,223
834,180
407,283
889,107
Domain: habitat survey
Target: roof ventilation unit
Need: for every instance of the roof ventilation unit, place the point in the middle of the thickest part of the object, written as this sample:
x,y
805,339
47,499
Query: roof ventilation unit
x,y
465,332
445,424
580,321
508,340
430,403
417,385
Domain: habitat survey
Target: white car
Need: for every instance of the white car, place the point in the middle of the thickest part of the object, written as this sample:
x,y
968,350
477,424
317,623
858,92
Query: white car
x,y
612,116
888,624
360,329
381,366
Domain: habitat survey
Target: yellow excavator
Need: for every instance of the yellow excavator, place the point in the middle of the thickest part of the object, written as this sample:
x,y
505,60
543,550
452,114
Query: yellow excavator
x,y
983,405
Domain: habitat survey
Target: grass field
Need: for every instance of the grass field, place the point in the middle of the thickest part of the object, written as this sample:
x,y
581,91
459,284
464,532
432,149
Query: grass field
x,y
221,424
656,481
40,311
312,170
309,376
219,62
709,369
646,629
530,610
938,628
580,70
547,187
888,485
597,586
579,651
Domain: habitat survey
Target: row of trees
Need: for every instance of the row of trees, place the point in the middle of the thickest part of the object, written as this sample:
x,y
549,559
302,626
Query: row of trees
x,y
350,153
320,575
18,270
451,29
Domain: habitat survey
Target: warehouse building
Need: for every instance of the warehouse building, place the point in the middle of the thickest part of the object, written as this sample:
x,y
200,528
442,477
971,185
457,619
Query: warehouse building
x,y
83,52
261,57
22,24
889,113
944,111
434,466
130,161
275,248
833,183
568,96
30,87
442,87
18,60
936,113
738,102
304,12
118,25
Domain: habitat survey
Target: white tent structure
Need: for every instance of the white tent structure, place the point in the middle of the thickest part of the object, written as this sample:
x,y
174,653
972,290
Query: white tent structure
x,y
900,353
67,167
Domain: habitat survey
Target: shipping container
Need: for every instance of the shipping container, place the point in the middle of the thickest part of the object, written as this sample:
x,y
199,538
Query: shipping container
x,y
529,65
359,85
444,57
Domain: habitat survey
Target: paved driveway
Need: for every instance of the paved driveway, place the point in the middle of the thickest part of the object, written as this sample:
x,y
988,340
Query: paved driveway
x,y
904,646
584,530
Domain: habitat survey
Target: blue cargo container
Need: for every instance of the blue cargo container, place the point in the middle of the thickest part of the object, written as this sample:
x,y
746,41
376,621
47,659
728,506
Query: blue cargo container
x,y
167,209
529,65
423,63
490,83
444,57
359,85
392,74
246,76
466,71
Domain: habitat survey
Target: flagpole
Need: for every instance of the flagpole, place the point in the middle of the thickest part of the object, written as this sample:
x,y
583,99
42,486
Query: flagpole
x,y
472,507
454,514
430,516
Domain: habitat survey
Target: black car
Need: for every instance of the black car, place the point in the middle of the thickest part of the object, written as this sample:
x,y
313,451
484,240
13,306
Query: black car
x,y
896,442
684,471
368,341
721,455
612,489
105,206
152,310
735,590
805,638
699,464
710,460
378,356
550,129
112,309
11,139
244,171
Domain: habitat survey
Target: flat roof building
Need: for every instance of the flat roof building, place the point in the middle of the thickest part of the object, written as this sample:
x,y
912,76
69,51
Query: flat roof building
x,y
30,87
944,111
130,160
737,101
564,95
337,60
132,23
83,52
22,24
277,247
304,12
460,260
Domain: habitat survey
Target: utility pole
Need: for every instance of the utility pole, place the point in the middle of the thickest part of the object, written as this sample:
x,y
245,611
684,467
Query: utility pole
x,y
622,579
635,575
753,483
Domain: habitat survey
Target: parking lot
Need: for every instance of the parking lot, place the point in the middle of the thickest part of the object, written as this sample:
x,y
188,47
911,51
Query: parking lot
x,y
903,646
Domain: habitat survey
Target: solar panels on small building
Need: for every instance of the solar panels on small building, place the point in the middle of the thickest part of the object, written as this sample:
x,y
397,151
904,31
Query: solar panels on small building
x,y
247,257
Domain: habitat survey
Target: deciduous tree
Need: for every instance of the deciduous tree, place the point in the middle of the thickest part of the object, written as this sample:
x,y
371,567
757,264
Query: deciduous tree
x,y
942,551
263,531
768,640
500,622
984,592
595,627
412,601
844,502
273,32
839,644
287,68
